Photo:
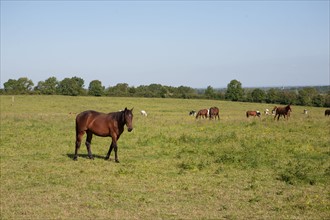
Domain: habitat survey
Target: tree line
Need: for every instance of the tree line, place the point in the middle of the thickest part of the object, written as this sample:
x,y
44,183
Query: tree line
x,y
306,96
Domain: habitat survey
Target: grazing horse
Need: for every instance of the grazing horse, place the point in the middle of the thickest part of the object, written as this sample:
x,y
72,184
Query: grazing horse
x,y
327,112
266,111
144,113
104,125
202,113
253,113
192,112
214,112
274,110
285,111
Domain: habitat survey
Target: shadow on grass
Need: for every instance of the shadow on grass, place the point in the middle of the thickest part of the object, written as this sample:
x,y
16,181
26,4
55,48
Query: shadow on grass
x,y
85,156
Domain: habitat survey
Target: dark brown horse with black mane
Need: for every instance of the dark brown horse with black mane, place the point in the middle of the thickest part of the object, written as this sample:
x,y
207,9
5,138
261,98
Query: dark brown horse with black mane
x,y
327,112
253,113
214,113
103,125
285,111
202,113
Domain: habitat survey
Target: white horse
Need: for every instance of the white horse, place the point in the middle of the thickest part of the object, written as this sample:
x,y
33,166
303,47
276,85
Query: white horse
x,y
144,113
266,111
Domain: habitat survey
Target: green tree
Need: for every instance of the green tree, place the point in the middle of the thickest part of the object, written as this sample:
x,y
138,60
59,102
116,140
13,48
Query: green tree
x,y
234,91
21,86
95,88
48,87
258,95
121,89
185,92
210,93
318,100
306,96
71,86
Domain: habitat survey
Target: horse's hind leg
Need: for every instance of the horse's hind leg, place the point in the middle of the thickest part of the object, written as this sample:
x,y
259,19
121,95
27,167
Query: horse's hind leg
x,y
88,144
79,136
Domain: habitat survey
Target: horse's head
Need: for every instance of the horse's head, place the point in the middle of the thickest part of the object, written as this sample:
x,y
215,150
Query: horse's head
x,y
288,108
128,117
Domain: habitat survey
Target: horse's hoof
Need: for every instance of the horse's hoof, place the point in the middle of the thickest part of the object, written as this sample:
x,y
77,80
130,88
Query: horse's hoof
x,y
117,161
107,158
75,158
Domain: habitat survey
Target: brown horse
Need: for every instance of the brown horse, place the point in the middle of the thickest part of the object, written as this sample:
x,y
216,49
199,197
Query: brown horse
x,y
253,113
103,125
202,113
327,112
214,112
285,111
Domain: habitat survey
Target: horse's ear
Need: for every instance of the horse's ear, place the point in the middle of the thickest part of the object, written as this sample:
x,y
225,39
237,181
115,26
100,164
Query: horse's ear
x,y
125,109
132,109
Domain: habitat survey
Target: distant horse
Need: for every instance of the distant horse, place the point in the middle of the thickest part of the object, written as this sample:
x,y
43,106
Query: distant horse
x,y
274,110
202,113
192,112
285,111
266,111
214,112
327,112
253,113
104,125
144,113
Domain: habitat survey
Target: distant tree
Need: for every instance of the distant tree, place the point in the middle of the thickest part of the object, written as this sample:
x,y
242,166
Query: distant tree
x,y
306,96
326,100
258,95
71,86
21,86
95,88
210,93
48,87
318,100
121,89
287,97
185,92
272,96
234,91
157,90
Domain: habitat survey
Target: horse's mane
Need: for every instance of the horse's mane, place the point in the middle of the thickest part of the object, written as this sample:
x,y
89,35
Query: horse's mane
x,y
118,116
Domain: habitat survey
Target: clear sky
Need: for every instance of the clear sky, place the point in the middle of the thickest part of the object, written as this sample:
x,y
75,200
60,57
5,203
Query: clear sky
x,y
174,43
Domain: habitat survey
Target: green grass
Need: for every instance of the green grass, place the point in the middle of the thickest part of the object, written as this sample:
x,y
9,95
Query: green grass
x,y
172,165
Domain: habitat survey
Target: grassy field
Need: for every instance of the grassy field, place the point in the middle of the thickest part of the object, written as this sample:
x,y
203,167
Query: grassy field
x,y
172,165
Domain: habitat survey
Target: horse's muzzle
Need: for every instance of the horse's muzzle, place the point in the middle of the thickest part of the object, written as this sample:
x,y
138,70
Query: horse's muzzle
x,y
129,129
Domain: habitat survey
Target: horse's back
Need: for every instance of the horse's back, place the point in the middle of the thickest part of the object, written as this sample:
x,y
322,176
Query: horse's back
x,y
86,117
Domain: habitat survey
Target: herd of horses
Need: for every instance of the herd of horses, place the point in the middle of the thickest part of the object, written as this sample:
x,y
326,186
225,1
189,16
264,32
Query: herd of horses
x,y
112,125
213,112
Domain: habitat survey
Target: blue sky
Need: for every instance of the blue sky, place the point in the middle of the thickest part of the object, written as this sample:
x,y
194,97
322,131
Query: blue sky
x,y
190,43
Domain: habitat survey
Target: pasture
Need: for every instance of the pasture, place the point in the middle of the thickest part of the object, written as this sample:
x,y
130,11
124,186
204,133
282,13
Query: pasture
x,y
172,166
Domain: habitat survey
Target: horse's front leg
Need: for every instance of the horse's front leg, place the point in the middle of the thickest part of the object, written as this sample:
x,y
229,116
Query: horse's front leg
x,y
116,154
109,152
